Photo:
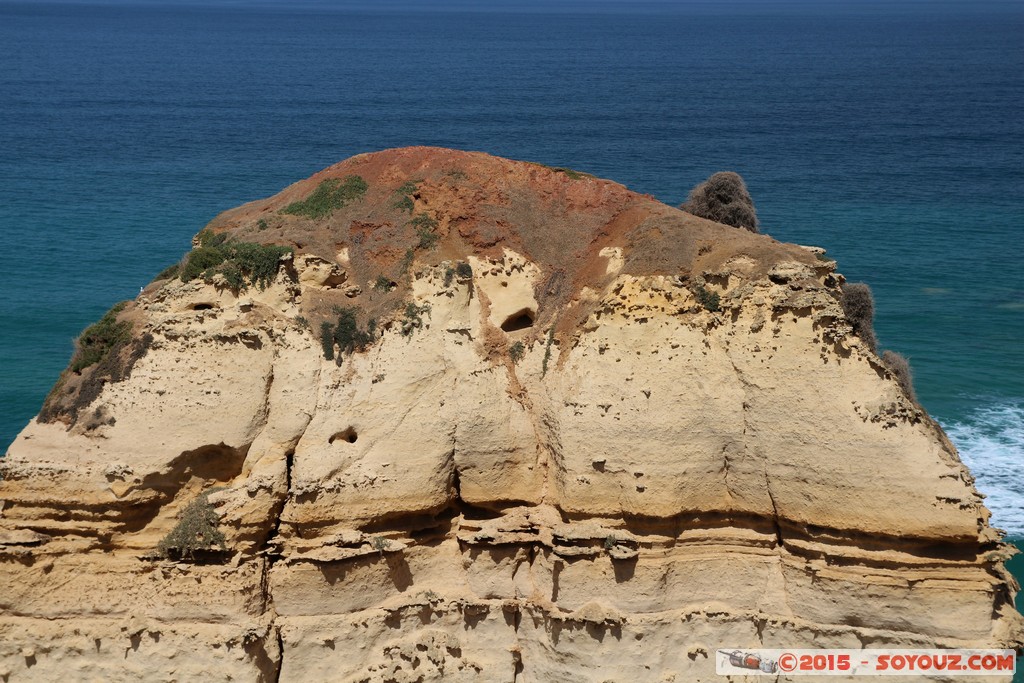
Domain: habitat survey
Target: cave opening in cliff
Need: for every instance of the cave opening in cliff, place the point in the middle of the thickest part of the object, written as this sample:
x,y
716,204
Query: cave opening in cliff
x,y
520,320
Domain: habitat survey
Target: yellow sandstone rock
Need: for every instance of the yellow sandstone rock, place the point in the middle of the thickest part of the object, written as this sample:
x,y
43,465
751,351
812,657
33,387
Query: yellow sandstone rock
x,y
551,463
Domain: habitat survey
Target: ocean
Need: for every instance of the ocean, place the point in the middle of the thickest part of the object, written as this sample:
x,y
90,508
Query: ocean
x,y
888,132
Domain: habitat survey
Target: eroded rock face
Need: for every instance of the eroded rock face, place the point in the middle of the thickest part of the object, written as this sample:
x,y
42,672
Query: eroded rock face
x,y
552,462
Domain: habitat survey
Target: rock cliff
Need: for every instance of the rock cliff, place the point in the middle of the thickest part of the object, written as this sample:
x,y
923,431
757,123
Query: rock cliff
x,y
481,420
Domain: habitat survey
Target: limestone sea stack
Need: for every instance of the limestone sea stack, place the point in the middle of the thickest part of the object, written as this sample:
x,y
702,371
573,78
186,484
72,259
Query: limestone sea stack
x,y
433,415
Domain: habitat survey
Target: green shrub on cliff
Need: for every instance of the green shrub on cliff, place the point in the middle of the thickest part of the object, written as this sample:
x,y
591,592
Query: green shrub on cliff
x,y
859,306
196,531
327,339
329,196
380,544
403,197
899,366
346,334
723,198
97,340
547,352
241,263
109,351
257,263
199,261
413,318
209,238
570,172
169,272
708,299
462,271
516,351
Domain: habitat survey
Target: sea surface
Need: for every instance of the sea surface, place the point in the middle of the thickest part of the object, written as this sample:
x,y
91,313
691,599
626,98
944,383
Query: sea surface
x,y
890,133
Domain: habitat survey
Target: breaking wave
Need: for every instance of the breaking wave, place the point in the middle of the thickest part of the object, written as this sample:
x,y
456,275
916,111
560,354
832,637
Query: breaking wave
x,y
991,443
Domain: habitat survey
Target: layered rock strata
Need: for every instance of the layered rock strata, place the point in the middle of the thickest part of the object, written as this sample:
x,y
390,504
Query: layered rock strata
x,y
588,437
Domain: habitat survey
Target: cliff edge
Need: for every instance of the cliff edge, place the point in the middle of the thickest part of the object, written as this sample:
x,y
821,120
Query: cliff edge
x,y
435,415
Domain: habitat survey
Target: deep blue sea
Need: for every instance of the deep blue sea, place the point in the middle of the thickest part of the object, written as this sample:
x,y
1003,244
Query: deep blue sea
x,y
891,133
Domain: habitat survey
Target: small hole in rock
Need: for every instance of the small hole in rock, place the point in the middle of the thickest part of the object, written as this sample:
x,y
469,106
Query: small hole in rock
x,y
202,307
348,435
519,320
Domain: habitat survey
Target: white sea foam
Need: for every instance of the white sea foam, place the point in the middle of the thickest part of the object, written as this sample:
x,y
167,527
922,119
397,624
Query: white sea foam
x,y
991,443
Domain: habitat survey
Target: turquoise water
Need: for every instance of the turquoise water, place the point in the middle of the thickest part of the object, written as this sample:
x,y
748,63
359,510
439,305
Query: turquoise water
x,y
888,132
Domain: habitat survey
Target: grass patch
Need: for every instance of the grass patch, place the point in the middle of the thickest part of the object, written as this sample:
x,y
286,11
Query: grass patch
x,y
406,262
575,175
424,226
382,283
329,196
196,531
403,196
568,172
403,203
97,340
